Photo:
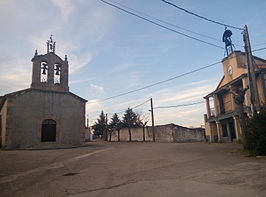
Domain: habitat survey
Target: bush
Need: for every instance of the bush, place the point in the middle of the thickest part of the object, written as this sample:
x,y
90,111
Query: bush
x,y
255,137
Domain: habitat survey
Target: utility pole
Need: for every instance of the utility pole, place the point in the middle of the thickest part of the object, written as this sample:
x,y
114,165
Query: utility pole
x,y
88,121
254,97
106,128
152,120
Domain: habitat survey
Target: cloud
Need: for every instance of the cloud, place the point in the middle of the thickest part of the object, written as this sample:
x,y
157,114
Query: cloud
x,y
14,75
133,79
175,113
97,88
91,105
186,116
76,62
129,65
187,95
80,81
66,8
93,110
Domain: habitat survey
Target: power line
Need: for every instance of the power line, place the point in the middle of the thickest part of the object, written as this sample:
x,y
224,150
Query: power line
x,y
132,107
168,23
164,81
122,111
165,22
162,26
260,49
259,44
157,83
180,105
202,17
141,104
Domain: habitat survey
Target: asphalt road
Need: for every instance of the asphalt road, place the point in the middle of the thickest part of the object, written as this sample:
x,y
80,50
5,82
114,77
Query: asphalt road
x,y
133,169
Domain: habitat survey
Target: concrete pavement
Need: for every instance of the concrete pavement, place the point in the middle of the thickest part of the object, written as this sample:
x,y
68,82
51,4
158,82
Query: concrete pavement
x,y
133,169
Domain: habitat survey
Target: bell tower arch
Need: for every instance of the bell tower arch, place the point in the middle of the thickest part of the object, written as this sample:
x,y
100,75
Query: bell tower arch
x,y
49,71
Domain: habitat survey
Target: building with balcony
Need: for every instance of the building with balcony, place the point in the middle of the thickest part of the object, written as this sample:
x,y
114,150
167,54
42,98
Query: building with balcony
x,y
222,123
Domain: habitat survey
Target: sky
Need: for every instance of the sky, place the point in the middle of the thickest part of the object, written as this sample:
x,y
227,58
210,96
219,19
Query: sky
x,y
111,52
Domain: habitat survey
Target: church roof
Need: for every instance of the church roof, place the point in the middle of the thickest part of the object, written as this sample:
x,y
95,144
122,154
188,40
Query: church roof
x,y
21,92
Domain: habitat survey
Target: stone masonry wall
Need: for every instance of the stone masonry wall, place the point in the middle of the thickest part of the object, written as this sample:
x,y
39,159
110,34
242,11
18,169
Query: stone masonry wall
x,y
163,133
26,112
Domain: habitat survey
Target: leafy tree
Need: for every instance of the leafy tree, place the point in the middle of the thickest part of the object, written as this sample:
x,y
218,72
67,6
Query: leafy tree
x,y
130,120
115,124
100,126
255,136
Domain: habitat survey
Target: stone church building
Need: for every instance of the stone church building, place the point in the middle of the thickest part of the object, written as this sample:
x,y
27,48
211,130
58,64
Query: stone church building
x,y
47,114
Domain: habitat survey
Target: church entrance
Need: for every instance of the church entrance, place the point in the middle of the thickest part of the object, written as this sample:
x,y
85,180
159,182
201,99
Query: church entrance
x,y
49,130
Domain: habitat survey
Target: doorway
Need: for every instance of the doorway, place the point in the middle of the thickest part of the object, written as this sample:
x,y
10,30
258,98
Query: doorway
x,y
232,131
48,130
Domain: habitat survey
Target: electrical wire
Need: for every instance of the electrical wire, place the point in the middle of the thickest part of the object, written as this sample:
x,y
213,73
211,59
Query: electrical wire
x,y
165,22
163,81
168,23
122,111
140,104
259,44
157,83
132,107
162,26
180,105
260,49
202,17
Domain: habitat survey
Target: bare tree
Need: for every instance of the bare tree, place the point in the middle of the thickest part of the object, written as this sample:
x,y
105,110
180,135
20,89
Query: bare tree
x,y
143,120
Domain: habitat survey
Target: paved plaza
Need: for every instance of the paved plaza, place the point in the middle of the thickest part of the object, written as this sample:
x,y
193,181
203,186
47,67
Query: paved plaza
x,y
133,169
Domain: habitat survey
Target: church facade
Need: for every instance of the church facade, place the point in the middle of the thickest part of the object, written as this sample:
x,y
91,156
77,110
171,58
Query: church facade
x,y
223,118
47,114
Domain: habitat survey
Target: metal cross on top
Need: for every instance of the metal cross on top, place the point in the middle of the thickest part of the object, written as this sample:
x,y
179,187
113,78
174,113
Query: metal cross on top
x,y
50,45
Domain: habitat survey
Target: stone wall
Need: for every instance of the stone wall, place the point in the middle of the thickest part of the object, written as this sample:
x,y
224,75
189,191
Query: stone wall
x,y
26,111
163,133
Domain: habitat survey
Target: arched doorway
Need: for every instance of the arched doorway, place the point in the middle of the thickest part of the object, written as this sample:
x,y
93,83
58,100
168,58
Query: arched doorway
x,y
48,130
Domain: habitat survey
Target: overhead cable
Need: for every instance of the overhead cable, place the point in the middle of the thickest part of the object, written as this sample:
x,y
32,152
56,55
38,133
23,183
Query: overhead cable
x,y
129,107
202,17
260,49
180,105
140,104
164,81
162,26
157,83
165,22
259,44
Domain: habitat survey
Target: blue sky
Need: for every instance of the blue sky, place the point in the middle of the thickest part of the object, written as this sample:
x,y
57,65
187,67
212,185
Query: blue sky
x,y
111,52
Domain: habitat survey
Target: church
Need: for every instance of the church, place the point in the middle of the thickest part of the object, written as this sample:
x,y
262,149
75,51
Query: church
x,y
46,115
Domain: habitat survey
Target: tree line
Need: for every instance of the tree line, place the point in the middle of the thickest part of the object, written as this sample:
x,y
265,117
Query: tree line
x,y
129,120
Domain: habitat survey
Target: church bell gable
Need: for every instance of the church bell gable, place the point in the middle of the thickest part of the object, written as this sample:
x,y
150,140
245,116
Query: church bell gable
x,y
49,71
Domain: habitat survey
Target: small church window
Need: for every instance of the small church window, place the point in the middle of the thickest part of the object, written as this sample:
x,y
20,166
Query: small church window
x,y
57,73
44,72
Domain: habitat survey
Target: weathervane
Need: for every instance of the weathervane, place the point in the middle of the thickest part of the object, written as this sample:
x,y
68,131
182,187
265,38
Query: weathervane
x,y
227,41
